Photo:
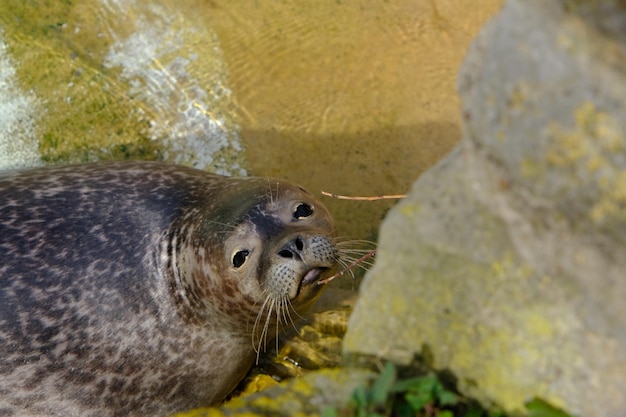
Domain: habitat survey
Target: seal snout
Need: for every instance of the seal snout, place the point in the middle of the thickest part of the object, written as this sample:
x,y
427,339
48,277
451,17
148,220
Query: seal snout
x,y
293,249
302,259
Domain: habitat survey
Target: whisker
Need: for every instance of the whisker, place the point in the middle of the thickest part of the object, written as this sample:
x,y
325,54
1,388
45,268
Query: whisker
x,y
353,253
269,186
344,266
365,264
230,227
285,305
255,329
290,307
263,337
353,242
279,308
358,256
349,268
274,306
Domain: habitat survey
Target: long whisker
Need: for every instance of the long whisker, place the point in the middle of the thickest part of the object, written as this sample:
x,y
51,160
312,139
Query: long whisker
x,y
339,240
345,263
289,308
269,186
352,265
355,244
228,225
351,257
255,329
278,311
364,264
263,336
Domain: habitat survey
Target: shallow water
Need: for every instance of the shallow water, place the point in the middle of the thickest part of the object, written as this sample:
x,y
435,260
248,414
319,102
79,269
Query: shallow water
x,y
353,97
350,96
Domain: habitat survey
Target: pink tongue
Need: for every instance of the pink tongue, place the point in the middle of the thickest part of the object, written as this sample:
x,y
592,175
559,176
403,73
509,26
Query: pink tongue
x,y
312,275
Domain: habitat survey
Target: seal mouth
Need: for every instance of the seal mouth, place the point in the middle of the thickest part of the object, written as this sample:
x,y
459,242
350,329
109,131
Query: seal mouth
x,y
306,288
312,275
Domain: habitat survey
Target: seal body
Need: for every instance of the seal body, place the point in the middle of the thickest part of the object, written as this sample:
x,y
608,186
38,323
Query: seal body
x,y
138,288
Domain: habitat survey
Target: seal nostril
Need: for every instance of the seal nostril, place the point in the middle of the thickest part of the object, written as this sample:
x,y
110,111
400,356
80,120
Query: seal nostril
x,y
299,243
285,253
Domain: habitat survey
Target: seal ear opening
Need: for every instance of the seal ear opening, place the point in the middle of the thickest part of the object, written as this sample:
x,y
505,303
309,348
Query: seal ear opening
x,y
239,258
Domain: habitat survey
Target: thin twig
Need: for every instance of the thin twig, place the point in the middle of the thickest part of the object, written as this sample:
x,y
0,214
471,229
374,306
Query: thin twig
x,y
377,197
349,267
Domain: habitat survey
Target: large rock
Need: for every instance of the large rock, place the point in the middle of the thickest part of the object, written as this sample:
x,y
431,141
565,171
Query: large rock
x,y
506,263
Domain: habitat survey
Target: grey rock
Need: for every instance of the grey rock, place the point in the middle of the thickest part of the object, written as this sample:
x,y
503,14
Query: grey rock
x,y
506,261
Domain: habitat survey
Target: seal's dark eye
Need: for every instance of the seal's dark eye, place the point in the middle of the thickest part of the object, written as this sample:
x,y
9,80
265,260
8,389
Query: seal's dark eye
x,y
240,257
302,210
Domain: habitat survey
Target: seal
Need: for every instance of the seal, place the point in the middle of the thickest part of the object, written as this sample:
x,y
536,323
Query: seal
x,y
140,288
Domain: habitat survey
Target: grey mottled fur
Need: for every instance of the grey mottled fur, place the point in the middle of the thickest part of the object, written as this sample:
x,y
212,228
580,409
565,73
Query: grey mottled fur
x,y
117,295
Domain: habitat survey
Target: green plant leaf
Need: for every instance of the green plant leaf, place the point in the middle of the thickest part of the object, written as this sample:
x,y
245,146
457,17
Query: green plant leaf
x,y
358,401
446,397
540,408
424,384
417,401
329,412
381,388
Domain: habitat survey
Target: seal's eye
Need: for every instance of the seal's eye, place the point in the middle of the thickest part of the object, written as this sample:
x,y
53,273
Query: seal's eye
x,y
302,210
240,257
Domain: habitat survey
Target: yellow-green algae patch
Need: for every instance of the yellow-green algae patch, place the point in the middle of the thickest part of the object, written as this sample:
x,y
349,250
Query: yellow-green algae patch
x,y
306,396
512,325
128,81
588,150
522,329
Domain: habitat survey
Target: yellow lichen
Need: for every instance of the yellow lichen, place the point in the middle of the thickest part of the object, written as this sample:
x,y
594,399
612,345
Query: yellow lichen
x,y
258,383
410,210
517,332
531,169
589,148
519,95
570,147
507,268
595,162
595,136
612,202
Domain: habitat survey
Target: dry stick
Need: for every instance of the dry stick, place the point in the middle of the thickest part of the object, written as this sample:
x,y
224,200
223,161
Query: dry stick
x,y
372,252
349,267
378,197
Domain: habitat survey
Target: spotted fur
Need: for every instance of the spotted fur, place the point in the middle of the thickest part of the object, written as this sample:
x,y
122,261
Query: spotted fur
x,y
118,293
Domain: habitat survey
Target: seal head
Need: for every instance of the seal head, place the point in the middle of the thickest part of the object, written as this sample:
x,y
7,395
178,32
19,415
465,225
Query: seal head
x,y
274,241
